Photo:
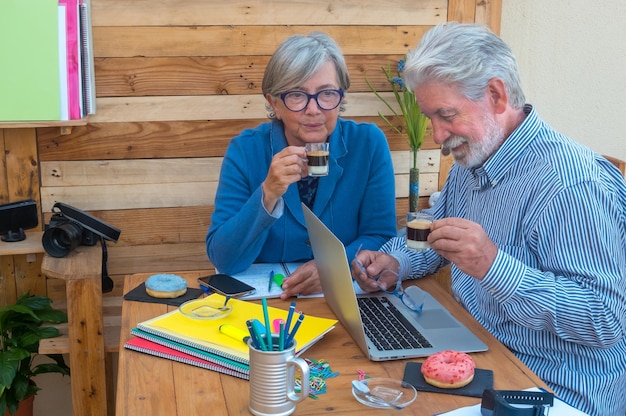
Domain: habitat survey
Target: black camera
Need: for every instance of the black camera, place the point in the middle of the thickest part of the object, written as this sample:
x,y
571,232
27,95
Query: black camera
x,y
70,227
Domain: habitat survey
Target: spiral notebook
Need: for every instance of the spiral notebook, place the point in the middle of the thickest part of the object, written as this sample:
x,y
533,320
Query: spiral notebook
x,y
147,346
258,276
203,355
87,58
204,334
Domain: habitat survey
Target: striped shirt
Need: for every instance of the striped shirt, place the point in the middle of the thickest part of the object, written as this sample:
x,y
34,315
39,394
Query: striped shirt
x,y
556,292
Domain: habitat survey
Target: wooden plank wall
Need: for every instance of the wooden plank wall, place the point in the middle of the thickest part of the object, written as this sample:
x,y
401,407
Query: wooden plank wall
x,y
175,82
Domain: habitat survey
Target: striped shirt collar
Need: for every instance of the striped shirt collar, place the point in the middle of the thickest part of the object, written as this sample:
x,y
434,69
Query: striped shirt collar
x,y
498,165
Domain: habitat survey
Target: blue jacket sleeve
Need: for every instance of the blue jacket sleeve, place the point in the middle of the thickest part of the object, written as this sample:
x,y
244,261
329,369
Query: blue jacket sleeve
x,y
240,223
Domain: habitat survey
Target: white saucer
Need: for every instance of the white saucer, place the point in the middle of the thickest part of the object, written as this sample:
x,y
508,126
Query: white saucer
x,y
384,393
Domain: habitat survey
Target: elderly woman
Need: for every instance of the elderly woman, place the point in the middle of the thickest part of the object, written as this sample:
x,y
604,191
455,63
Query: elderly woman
x,y
264,178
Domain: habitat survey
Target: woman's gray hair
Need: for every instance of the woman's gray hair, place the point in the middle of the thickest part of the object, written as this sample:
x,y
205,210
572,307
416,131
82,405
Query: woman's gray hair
x,y
465,55
297,59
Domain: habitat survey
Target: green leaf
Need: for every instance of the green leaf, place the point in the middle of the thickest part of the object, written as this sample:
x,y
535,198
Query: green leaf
x,y
8,369
413,119
54,316
20,387
51,368
21,329
13,354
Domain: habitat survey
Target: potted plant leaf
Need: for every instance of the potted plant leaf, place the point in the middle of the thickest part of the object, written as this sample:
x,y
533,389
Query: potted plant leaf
x,y
414,123
22,326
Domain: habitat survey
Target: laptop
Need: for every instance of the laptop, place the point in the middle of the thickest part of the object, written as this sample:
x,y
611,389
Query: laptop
x,y
433,329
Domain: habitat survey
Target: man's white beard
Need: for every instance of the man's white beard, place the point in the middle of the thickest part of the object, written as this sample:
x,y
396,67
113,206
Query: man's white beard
x,y
477,152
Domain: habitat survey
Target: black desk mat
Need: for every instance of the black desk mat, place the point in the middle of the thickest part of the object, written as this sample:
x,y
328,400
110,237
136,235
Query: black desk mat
x,y
483,379
139,294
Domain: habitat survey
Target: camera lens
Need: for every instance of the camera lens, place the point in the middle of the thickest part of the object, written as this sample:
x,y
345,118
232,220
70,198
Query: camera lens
x,y
60,240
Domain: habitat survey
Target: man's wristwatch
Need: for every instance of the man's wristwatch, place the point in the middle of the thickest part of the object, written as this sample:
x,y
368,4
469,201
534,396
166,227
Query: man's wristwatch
x,y
498,402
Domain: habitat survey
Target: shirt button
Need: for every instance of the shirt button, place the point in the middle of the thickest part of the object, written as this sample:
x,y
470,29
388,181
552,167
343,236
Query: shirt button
x,y
492,291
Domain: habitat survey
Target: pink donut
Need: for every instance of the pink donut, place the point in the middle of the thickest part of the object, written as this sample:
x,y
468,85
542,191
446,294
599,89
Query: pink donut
x,y
448,369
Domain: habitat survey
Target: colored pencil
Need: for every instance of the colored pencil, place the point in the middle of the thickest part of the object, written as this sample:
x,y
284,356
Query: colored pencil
x,y
292,334
259,329
292,309
268,328
281,336
253,335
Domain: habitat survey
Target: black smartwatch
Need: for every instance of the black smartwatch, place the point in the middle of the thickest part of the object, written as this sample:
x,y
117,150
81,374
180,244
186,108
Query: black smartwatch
x,y
498,402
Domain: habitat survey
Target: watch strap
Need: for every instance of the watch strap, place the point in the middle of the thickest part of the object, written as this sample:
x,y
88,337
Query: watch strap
x,y
527,397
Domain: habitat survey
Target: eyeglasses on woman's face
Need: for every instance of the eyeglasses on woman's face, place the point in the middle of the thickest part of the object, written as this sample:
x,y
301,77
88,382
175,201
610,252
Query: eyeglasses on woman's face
x,y
298,100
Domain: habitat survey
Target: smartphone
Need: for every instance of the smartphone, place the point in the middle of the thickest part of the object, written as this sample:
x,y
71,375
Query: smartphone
x,y
226,285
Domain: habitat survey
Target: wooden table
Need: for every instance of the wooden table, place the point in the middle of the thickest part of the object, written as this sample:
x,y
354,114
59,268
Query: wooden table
x,y
148,385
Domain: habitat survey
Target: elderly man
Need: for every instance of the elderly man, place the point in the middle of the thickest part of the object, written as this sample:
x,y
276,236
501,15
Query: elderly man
x,y
533,223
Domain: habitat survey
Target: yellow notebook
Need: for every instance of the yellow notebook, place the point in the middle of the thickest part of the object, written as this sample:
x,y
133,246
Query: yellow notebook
x,y
204,334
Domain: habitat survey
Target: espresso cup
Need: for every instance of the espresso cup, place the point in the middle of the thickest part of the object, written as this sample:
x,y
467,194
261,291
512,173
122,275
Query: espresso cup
x,y
417,230
273,380
317,158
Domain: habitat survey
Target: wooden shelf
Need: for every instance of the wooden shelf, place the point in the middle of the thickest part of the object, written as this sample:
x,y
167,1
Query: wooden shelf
x,y
65,126
25,124
31,245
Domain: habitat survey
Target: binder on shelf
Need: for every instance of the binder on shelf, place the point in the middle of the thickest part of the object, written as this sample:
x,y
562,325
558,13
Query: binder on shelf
x,y
72,53
46,47
204,334
29,74
88,81
146,346
62,49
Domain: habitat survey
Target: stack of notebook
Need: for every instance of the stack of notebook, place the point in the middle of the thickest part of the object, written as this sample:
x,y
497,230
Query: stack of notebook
x,y
199,342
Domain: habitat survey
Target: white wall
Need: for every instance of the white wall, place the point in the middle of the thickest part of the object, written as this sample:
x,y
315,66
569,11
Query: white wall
x,y
55,396
572,55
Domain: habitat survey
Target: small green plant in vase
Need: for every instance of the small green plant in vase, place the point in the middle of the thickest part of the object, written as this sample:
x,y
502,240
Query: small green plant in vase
x,y
414,123
21,329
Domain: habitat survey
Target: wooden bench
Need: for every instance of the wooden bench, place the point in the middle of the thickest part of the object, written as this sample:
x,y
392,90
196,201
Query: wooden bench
x,y
111,315
111,318
81,270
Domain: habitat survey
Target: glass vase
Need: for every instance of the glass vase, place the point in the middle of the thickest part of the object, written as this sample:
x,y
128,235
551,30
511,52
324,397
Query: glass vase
x,y
414,188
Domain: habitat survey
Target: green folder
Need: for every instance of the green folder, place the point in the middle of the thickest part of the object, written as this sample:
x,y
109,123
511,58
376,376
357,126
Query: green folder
x,y
30,87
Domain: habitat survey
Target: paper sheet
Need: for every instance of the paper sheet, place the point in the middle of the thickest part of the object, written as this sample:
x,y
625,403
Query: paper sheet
x,y
560,408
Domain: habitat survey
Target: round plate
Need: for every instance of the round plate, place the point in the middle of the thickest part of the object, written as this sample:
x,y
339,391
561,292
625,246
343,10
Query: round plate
x,y
385,393
205,309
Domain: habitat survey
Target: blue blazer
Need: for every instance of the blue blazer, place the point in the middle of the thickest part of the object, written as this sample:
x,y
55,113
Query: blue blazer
x,y
356,200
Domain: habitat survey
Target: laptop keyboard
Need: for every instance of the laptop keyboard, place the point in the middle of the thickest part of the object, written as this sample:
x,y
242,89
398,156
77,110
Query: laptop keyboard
x,y
387,328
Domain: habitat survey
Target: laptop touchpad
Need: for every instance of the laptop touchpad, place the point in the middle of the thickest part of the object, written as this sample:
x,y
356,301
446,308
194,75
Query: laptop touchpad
x,y
435,319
